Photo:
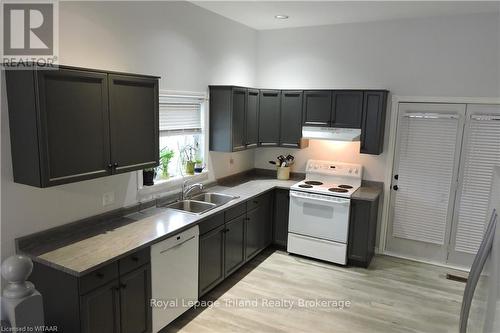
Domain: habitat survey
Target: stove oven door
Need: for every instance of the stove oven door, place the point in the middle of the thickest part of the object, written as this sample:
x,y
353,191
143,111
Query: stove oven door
x,y
320,216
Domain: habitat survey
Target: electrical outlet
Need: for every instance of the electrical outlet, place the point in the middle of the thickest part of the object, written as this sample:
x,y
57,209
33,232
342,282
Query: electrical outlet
x,y
231,161
108,198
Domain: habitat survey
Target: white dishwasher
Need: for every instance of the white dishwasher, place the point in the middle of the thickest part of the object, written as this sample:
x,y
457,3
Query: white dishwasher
x,y
174,277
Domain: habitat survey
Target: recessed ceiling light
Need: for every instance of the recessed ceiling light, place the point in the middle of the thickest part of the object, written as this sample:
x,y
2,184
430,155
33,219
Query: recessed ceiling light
x,y
281,17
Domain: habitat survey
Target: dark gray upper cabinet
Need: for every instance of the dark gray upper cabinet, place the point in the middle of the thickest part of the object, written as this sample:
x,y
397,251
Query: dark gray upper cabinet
x,y
317,107
227,118
239,111
269,117
67,125
291,118
373,122
134,129
347,108
252,118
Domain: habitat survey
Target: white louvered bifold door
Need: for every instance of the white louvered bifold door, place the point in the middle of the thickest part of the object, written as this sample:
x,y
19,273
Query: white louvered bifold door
x,y
424,178
480,153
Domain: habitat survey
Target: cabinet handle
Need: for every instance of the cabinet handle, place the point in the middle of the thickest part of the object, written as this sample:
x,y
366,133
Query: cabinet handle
x,y
110,166
316,123
123,286
115,164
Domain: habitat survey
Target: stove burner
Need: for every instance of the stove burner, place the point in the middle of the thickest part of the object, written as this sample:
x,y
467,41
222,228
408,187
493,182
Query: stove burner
x,y
345,186
313,182
338,190
305,186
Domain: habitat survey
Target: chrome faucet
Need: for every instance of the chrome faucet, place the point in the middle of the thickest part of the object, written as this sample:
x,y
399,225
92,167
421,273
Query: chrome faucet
x,y
186,190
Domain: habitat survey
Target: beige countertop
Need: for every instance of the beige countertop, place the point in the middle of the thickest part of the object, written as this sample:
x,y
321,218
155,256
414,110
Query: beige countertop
x,y
86,255
153,225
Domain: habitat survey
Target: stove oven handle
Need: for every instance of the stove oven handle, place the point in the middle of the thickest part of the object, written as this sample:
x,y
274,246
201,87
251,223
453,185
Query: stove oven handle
x,y
341,201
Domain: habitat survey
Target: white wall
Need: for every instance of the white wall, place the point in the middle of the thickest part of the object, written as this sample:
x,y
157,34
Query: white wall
x,y
187,46
441,56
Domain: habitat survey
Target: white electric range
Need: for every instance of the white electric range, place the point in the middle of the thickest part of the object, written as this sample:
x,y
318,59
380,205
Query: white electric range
x,y
319,210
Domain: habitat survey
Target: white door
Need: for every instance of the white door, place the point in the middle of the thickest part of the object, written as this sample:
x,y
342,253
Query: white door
x,y
424,179
480,153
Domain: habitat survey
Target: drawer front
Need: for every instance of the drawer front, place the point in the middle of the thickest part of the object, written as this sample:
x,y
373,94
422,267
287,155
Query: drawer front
x,y
134,261
235,211
258,201
98,277
211,223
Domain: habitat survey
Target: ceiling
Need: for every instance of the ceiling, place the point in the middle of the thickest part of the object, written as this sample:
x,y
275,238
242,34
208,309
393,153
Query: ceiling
x,y
260,14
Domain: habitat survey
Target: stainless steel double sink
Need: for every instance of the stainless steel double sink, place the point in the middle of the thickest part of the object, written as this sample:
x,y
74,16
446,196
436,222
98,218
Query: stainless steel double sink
x,y
201,203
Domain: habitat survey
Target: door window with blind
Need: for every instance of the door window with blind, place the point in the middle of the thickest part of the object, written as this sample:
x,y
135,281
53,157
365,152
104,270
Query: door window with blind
x,y
444,160
181,135
425,170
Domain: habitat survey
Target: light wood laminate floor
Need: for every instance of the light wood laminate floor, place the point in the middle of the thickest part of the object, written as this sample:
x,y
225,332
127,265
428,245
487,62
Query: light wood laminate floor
x,y
393,295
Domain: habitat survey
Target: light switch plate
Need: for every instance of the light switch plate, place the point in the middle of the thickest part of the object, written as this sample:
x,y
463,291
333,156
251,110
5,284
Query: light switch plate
x,y
108,198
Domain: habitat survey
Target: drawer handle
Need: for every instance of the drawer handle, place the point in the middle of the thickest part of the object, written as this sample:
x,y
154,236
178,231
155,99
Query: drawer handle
x,y
123,286
134,258
99,275
256,201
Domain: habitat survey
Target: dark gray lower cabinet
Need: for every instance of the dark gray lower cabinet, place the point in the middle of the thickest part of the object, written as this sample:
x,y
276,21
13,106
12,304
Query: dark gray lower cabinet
x,y
280,223
226,245
362,232
112,299
211,259
100,309
258,230
134,291
234,245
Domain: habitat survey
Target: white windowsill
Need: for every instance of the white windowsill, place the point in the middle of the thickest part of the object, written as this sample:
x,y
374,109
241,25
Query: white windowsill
x,y
168,185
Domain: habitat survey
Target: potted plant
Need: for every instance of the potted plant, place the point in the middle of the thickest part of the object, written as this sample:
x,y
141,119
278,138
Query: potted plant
x,y
198,166
148,176
189,157
165,158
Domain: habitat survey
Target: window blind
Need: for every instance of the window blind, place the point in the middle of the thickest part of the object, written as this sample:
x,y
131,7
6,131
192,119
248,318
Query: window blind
x,y
480,155
425,173
180,114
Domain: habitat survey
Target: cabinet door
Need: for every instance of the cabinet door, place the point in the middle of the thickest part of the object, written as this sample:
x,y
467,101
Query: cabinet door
x,y
252,233
373,125
74,127
347,108
252,118
362,232
317,107
100,309
269,118
134,113
239,126
234,245
280,223
135,293
291,118
211,259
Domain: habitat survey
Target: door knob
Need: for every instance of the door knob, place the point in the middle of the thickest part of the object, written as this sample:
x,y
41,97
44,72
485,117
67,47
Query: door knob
x,y
395,187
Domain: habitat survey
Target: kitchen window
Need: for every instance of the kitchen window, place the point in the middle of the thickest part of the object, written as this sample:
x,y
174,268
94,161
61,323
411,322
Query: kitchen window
x,y
182,140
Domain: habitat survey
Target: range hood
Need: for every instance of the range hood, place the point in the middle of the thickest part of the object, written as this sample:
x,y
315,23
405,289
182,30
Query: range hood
x,y
331,133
